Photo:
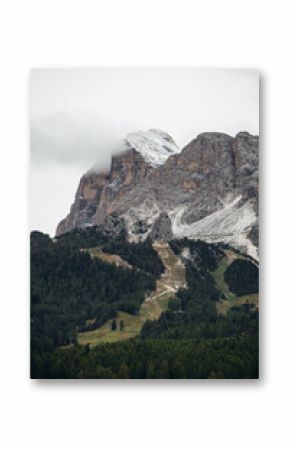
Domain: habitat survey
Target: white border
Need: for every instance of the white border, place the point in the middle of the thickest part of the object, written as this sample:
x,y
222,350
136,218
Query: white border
x,y
166,414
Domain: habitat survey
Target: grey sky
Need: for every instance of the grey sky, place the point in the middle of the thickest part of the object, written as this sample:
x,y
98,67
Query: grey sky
x,y
78,116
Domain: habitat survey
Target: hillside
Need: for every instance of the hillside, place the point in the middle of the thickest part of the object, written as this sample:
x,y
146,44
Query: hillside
x,y
154,271
153,305
83,296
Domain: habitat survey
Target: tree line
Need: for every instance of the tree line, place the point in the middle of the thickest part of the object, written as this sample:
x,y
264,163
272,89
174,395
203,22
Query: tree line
x,y
68,288
224,358
189,340
141,255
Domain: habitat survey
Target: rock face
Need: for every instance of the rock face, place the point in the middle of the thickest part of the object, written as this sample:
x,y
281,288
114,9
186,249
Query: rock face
x,y
99,194
86,202
161,229
209,190
128,169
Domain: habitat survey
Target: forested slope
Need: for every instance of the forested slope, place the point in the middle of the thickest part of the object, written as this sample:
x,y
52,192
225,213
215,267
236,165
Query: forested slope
x,y
69,289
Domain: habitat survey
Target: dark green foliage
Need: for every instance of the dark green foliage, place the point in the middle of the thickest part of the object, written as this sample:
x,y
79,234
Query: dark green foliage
x,y
140,227
242,277
189,340
226,246
86,237
140,255
200,320
193,314
174,304
201,283
68,287
205,256
228,358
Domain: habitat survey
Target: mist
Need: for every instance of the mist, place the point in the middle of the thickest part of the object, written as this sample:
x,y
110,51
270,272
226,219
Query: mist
x,y
79,117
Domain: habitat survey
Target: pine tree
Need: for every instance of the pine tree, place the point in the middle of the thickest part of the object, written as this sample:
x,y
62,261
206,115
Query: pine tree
x,y
123,371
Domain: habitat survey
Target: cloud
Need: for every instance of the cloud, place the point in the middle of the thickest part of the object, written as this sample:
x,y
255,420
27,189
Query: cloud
x,y
79,117
80,139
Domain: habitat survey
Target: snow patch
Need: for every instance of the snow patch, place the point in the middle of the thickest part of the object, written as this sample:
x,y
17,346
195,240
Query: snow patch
x,y
186,253
154,145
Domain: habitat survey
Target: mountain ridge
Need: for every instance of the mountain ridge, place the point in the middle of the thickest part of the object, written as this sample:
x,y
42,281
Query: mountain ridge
x,y
207,190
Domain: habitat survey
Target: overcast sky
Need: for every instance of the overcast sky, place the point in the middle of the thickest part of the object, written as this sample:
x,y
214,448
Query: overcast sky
x,y
78,117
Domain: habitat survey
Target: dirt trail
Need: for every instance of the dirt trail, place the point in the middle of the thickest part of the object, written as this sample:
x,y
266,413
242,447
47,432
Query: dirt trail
x,y
173,277
154,304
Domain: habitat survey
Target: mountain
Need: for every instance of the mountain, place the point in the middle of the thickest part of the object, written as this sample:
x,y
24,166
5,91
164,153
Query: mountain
x,y
207,191
154,145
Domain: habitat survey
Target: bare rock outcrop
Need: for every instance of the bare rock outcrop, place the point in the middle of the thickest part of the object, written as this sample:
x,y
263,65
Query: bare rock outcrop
x,y
209,190
86,202
99,194
161,229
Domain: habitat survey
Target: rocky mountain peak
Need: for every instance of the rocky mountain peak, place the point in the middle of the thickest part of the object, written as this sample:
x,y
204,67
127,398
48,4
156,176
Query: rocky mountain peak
x,y
209,190
154,145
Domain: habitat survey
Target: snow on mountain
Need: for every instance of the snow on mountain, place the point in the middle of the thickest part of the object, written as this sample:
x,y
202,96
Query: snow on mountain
x,y
154,145
230,224
209,191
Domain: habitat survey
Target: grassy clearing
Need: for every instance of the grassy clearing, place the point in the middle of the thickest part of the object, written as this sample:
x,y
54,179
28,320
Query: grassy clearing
x,y
218,276
149,310
224,306
231,299
105,334
153,305
109,258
